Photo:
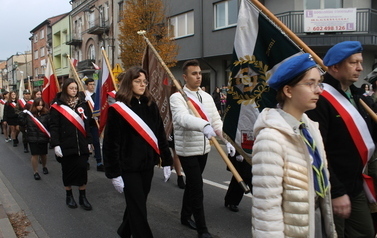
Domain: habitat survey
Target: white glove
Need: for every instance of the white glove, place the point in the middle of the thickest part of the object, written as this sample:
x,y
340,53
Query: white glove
x,y
208,131
118,183
239,158
167,173
58,151
230,148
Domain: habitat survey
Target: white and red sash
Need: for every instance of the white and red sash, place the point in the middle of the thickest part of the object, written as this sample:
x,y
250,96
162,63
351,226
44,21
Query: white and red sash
x,y
72,116
38,123
88,98
30,101
13,104
22,102
112,94
198,106
358,129
138,124
2,101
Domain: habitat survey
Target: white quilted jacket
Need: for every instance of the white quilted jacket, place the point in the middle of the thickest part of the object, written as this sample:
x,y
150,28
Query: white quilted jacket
x,y
188,136
283,190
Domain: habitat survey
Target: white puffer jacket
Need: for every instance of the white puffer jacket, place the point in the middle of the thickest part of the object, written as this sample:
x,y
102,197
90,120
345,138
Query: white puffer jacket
x,y
188,136
283,190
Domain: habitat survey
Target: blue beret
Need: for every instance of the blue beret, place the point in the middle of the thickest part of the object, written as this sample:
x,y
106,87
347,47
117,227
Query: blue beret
x,y
290,69
341,51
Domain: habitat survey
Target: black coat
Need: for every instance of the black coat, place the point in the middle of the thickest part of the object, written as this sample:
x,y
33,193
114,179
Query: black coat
x,y
65,134
344,161
33,133
124,150
10,111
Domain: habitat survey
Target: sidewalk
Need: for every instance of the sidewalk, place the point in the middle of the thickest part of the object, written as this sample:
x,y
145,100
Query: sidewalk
x,y
9,205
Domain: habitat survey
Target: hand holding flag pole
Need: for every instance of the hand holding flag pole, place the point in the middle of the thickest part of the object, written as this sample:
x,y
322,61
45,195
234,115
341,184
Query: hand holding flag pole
x,y
193,109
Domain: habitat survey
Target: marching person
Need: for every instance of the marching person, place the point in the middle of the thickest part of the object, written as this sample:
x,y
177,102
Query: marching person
x,y
70,138
11,117
134,141
36,123
24,103
341,117
291,195
90,97
191,136
4,125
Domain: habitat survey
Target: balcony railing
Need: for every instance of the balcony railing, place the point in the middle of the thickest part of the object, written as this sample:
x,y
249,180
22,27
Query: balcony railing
x,y
74,39
98,26
366,21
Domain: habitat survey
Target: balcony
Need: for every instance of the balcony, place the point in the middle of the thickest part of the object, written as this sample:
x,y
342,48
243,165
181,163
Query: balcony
x,y
366,29
74,39
98,26
85,65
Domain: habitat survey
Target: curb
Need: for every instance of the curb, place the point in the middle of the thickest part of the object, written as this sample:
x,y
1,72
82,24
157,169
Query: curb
x,y
6,229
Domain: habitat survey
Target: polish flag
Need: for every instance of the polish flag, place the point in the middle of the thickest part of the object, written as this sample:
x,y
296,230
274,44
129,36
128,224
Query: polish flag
x,y
74,62
50,87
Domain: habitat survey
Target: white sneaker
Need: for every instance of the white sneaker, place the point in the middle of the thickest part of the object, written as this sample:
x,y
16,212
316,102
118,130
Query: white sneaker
x,y
8,140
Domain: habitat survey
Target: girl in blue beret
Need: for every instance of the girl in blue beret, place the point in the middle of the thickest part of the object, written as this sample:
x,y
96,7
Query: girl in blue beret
x,y
291,196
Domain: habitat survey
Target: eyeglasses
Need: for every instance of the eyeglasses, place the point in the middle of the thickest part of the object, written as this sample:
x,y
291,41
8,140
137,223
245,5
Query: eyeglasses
x,y
313,86
141,81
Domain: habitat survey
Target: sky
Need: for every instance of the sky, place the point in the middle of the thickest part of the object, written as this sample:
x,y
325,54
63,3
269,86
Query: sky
x,y
19,17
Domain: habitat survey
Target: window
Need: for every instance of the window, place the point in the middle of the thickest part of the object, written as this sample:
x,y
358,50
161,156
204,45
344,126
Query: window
x,y
36,54
35,37
91,52
321,4
120,15
42,52
225,14
42,34
182,25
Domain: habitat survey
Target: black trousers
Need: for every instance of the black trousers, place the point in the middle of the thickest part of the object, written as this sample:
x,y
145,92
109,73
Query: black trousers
x,y
192,203
235,192
136,189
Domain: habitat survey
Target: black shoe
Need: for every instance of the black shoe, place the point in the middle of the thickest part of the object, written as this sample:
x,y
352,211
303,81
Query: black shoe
x,y
45,170
70,201
205,235
15,143
36,176
26,150
87,166
231,207
84,203
101,168
181,183
189,222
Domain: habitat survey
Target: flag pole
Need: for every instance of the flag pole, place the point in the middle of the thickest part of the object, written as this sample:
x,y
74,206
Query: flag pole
x,y
193,109
108,66
75,75
302,44
53,70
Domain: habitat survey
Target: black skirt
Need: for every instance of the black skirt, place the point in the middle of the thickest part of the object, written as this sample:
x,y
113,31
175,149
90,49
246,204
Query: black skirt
x,y
12,121
38,148
74,170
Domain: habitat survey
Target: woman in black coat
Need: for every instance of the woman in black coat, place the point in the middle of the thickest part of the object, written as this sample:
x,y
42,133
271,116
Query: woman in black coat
x,y
70,137
11,117
128,158
36,123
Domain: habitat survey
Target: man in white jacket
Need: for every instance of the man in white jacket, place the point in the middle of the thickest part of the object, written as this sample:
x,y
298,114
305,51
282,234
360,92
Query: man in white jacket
x,y
191,143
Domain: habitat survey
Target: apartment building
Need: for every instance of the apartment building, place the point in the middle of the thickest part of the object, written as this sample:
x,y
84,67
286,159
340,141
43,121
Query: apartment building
x,y
205,30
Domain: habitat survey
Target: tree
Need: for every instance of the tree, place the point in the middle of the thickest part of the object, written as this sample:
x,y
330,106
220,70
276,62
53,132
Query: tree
x,y
148,15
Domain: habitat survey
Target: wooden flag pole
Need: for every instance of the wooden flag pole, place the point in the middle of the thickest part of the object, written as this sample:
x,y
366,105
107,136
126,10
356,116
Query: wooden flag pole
x,y
300,43
75,75
193,109
109,67
53,70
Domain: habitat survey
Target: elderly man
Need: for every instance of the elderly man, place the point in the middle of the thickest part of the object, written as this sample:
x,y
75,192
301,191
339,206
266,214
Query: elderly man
x,y
346,130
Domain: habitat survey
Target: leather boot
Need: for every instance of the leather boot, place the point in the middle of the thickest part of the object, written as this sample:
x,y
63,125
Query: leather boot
x,y
26,149
84,203
70,201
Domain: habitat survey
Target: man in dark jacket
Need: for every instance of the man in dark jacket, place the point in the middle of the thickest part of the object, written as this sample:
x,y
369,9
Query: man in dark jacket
x,y
341,118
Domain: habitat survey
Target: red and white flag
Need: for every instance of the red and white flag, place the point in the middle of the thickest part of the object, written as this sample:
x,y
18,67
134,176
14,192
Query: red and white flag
x,y
96,66
50,87
106,85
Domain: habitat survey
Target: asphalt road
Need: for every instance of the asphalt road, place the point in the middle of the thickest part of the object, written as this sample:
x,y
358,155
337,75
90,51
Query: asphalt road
x,y
44,201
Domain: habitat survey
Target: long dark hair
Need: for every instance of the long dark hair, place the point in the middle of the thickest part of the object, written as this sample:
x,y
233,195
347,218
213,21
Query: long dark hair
x,y
36,103
64,95
125,93
35,91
